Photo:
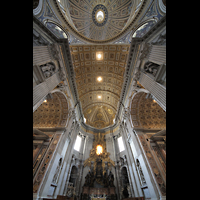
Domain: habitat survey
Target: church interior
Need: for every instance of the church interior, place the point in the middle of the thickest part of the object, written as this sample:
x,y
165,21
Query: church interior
x,y
99,99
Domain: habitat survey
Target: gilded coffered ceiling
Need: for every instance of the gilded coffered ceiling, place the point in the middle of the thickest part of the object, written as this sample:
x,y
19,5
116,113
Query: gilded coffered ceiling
x,y
100,19
99,71
146,113
52,113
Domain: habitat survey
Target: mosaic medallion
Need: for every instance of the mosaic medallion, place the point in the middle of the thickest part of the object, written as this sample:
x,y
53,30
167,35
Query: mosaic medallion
x,y
100,15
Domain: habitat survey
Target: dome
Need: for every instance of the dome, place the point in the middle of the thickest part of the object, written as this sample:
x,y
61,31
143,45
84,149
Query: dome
x,y
101,20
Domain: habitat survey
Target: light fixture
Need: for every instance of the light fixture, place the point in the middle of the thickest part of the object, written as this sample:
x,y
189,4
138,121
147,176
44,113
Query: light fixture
x,y
99,97
45,101
99,149
154,101
99,55
99,78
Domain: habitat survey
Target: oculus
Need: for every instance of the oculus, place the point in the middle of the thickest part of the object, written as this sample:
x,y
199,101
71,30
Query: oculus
x,y
99,15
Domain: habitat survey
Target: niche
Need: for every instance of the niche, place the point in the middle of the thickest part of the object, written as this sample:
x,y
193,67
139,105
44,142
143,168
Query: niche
x,y
125,182
73,175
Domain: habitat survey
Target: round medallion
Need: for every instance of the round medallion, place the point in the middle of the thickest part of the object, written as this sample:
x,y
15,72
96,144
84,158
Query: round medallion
x,y
100,15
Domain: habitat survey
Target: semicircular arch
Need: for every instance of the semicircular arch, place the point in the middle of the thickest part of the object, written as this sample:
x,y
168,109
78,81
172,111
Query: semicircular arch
x,y
146,113
53,112
56,28
143,27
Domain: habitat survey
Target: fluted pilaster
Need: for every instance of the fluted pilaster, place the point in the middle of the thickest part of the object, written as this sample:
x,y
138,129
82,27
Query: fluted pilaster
x,y
41,90
158,54
156,89
41,55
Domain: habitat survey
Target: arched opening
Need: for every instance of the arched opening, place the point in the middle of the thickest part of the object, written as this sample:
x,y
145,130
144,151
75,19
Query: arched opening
x,y
35,3
56,30
146,112
53,112
143,29
73,175
125,183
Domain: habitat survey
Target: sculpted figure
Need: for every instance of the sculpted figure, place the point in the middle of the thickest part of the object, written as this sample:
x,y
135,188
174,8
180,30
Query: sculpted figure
x,y
47,69
151,68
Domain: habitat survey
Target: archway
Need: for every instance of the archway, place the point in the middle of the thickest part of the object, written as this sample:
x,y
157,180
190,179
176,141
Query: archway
x,y
146,113
124,182
53,112
73,175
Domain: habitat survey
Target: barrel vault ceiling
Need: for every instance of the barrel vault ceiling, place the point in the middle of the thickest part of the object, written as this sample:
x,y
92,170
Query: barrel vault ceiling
x,y
99,71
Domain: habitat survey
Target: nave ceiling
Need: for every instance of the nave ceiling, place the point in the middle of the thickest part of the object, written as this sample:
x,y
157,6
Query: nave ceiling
x,y
99,97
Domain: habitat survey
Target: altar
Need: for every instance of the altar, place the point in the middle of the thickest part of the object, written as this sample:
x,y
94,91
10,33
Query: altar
x,y
99,180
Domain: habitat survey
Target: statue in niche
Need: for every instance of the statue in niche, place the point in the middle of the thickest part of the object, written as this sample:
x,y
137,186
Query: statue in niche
x,y
129,190
151,68
47,70
125,192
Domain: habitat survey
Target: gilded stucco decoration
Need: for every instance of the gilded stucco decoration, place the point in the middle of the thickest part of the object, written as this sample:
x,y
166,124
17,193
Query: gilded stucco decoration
x,y
146,113
104,156
99,99
52,113
99,116
118,14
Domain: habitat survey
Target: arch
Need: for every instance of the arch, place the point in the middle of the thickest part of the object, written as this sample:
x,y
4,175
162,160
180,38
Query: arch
x,y
53,112
37,6
143,28
56,28
146,113
162,6
125,181
73,175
